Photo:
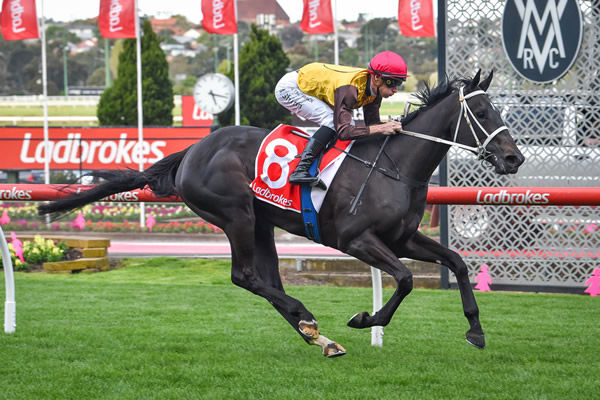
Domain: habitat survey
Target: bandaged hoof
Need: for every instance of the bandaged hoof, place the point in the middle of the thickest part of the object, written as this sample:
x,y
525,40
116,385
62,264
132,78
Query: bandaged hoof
x,y
333,350
476,339
309,329
359,320
330,348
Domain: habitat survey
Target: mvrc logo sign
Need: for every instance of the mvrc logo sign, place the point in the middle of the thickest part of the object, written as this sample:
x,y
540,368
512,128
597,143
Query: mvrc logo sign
x,y
542,37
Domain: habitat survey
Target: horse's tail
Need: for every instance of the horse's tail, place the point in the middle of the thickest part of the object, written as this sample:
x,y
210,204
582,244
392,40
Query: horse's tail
x,y
160,177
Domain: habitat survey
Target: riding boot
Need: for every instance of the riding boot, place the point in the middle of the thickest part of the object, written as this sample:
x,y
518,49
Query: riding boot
x,y
313,148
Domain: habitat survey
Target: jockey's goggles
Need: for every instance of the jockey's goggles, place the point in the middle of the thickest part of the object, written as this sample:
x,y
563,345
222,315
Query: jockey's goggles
x,y
392,82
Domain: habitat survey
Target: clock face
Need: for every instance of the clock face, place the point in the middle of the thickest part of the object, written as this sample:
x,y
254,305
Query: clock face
x,y
214,93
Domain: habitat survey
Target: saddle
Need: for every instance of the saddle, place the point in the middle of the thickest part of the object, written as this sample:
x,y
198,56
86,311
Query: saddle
x,y
275,161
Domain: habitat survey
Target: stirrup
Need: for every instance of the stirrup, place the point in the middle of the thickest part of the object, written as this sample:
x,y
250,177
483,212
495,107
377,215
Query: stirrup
x,y
314,181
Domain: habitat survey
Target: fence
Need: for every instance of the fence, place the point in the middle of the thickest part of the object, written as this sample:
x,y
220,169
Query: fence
x,y
556,126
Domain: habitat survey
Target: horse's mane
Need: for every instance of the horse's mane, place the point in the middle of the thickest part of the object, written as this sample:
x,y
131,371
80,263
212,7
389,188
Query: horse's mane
x,y
430,96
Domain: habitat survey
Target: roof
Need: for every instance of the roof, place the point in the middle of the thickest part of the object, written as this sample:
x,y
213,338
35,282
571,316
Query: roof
x,y
247,10
166,24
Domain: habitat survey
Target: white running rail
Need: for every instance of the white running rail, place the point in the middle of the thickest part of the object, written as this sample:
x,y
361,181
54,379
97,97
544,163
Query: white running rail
x,y
10,310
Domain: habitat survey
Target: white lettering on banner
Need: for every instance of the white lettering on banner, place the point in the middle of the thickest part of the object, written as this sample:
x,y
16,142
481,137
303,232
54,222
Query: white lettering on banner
x,y
415,19
200,115
16,13
125,196
313,6
218,14
503,197
266,194
115,16
74,150
283,162
14,194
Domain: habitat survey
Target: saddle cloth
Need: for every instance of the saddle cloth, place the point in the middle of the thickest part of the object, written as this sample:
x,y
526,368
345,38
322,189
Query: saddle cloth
x,y
276,160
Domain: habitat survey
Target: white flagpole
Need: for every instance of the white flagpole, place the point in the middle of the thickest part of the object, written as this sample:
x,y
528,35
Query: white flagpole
x,y
236,71
47,154
336,50
138,48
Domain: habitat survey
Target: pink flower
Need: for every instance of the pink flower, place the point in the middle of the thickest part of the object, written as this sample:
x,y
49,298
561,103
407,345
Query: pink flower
x,y
5,219
150,222
79,222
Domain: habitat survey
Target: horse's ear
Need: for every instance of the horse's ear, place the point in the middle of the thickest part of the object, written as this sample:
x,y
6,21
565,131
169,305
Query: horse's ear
x,y
475,80
485,84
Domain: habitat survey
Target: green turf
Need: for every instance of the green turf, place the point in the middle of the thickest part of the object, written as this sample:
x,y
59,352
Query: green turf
x,y
57,111
178,329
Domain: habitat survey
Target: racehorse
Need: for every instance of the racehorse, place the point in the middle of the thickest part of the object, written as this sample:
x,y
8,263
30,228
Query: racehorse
x,y
213,176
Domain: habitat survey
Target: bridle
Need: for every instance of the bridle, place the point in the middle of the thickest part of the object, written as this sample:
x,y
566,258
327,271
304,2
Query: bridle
x,y
465,111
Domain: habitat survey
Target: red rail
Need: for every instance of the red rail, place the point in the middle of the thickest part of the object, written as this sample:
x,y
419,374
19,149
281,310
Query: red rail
x,y
544,196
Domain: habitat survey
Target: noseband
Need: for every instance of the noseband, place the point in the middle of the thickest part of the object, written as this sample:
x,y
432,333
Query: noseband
x,y
467,114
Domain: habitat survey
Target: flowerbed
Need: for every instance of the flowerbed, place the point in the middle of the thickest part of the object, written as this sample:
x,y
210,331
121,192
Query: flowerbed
x,y
108,217
105,211
35,252
109,226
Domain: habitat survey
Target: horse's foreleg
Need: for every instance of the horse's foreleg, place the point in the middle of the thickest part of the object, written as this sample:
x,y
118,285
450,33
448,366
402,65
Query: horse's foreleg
x,y
421,247
371,250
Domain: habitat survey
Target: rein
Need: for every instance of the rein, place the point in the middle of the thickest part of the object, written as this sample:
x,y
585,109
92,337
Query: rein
x,y
393,175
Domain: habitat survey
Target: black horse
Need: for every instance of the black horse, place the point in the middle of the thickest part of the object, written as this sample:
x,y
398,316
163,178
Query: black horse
x,y
213,176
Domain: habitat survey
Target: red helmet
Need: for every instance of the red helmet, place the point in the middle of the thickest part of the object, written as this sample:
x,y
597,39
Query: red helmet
x,y
388,64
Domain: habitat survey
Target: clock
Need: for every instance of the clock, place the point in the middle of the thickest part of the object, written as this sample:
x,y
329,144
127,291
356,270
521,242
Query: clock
x,y
214,93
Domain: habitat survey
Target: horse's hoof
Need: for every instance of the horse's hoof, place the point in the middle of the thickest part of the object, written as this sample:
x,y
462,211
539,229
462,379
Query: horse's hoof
x,y
359,320
333,350
476,339
309,329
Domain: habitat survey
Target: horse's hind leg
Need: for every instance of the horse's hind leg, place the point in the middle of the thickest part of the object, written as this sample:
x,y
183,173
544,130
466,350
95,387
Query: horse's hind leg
x,y
422,248
266,264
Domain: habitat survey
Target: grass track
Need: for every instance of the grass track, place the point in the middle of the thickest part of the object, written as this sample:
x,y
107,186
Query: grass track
x,y
178,329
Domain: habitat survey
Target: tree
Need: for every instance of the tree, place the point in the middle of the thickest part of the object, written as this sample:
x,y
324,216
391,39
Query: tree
x,y
262,62
290,36
118,104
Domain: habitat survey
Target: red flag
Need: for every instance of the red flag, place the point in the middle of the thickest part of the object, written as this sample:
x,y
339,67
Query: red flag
x,y
415,18
218,16
317,17
19,20
117,19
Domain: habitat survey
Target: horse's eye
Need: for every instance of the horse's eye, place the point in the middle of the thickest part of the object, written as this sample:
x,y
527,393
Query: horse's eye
x,y
480,114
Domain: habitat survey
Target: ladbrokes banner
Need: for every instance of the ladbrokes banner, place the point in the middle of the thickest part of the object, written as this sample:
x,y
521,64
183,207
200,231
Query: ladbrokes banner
x,y
415,18
192,114
117,19
317,17
19,20
92,148
218,16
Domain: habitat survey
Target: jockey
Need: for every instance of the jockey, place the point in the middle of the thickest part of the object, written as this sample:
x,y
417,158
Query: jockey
x,y
326,94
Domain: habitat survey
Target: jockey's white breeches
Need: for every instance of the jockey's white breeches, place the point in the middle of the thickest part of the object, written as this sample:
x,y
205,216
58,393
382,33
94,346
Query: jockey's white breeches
x,y
290,96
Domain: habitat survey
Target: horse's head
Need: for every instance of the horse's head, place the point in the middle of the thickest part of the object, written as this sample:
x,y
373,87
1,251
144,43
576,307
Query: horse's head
x,y
479,124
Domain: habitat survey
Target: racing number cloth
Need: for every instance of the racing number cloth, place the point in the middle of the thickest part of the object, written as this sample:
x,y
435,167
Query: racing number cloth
x,y
276,160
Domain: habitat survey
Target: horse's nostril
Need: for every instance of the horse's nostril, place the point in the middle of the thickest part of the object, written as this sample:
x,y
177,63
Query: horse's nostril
x,y
514,160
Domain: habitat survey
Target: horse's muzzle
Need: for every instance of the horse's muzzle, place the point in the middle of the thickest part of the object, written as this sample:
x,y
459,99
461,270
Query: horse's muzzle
x,y
509,163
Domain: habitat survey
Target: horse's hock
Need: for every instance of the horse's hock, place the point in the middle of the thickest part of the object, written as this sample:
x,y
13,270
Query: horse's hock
x,y
94,255
351,272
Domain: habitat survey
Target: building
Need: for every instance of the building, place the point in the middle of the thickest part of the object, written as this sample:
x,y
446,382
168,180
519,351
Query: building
x,y
250,11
